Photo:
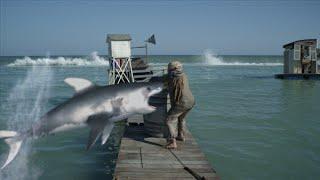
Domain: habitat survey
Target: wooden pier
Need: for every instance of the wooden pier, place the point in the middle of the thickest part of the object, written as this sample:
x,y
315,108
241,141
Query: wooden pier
x,y
143,157
142,154
298,76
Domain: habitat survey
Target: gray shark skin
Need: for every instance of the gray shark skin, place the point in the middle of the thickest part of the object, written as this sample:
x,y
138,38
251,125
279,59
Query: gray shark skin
x,y
95,106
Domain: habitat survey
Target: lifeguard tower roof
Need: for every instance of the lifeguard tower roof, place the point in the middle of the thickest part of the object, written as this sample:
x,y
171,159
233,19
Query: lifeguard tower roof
x,y
303,41
118,37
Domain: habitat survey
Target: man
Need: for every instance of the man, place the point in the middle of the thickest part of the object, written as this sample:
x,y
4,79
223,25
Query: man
x,y
305,60
181,100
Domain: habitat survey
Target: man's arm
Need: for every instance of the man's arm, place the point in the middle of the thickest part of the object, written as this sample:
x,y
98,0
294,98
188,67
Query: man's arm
x,y
165,81
178,90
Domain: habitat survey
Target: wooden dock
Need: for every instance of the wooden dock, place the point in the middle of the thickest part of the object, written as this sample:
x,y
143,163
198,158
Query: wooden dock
x,y
298,76
143,157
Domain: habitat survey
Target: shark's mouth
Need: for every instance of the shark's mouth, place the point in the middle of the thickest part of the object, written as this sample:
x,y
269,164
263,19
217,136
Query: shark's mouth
x,y
152,107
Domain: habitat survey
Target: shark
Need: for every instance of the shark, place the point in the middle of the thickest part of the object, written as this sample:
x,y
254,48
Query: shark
x,y
93,106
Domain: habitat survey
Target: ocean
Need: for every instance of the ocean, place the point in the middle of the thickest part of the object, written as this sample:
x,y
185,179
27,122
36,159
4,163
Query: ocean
x,y
248,124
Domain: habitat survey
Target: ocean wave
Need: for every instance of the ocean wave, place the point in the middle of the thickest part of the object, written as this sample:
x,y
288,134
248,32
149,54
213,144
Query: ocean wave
x,y
92,60
212,59
208,59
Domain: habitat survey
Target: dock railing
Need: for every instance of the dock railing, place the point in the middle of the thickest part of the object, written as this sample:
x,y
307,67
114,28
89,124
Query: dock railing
x,y
145,75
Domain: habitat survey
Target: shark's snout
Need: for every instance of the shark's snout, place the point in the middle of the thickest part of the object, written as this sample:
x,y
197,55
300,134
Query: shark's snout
x,y
155,91
152,90
155,88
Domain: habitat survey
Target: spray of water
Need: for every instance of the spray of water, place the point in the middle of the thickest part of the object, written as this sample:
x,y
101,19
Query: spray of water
x,y
26,102
93,60
212,59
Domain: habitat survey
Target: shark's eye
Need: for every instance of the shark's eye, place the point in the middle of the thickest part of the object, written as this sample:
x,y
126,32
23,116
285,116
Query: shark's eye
x,y
148,88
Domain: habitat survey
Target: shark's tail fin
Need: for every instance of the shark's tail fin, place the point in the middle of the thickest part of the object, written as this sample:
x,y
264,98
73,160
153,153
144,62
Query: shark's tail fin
x,y
14,141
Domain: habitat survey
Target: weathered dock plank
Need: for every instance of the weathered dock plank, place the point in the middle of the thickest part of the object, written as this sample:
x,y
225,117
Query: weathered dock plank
x,y
143,157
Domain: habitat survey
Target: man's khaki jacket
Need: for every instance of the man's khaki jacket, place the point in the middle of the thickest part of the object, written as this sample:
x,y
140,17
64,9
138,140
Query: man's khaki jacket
x,y
180,94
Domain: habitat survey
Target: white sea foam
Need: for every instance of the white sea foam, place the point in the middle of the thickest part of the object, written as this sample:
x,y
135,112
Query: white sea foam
x,y
92,60
212,59
208,59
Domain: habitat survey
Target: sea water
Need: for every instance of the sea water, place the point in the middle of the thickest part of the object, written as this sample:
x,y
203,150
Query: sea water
x,y
248,124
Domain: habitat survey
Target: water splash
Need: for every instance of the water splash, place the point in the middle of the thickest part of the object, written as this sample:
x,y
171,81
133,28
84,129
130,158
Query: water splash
x,y
93,60
48,54
26,102
212,59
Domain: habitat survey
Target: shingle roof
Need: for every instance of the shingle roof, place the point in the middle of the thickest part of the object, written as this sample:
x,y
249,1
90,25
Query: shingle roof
x,y
303,40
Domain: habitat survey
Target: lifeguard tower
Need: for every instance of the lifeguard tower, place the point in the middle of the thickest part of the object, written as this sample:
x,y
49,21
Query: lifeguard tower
x,y
300,60
119,48
125,68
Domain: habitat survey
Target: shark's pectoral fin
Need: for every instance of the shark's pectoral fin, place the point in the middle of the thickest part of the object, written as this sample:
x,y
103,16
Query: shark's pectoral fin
x,y
97,124
106,132
93,136
79,84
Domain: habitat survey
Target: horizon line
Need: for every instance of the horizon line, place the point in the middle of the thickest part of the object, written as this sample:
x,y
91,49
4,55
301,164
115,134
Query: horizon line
x,y
143,55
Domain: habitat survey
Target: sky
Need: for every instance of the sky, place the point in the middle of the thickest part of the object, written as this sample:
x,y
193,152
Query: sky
x,y
181,27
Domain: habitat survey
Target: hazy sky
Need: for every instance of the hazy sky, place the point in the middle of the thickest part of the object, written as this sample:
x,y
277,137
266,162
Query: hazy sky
x,y
79,27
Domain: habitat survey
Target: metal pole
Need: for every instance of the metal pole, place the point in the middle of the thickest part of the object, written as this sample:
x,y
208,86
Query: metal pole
x,y
146,52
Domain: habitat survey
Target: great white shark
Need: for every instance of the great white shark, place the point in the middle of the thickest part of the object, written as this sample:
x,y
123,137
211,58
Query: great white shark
x,y
95,106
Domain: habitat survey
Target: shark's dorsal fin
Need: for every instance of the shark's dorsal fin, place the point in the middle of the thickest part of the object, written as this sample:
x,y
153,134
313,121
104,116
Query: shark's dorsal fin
x,y
79,84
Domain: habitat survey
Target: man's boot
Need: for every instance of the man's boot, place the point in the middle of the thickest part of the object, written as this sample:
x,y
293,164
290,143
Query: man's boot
x,y
172,144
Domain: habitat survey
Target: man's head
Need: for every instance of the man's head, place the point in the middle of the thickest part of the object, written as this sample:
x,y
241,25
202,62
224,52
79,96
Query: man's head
x,y
175,66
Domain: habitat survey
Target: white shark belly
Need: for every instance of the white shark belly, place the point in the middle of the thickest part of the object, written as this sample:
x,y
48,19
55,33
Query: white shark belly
x,y
119,117
67,127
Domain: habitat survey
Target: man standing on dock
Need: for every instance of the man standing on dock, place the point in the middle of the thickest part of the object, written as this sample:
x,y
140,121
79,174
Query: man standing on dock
x,y
181,100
